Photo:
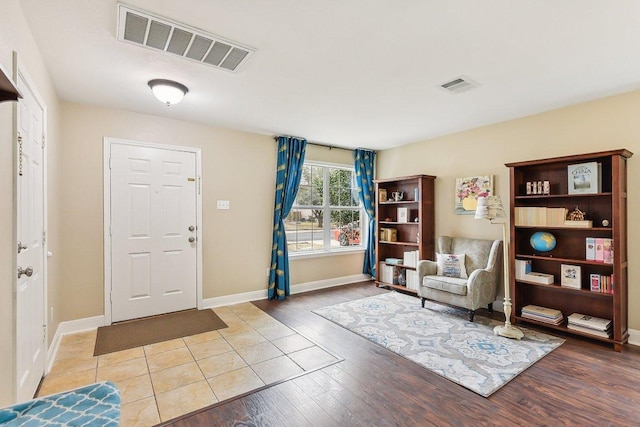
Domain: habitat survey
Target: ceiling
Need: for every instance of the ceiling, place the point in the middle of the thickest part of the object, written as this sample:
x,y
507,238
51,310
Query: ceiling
x,y
351,73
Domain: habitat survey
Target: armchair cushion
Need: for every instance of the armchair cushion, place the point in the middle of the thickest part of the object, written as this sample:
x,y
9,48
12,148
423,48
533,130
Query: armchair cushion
x,y
454,285
451,265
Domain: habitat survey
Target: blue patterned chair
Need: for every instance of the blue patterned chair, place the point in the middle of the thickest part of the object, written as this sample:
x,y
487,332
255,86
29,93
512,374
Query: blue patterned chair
x,y
483,264
95,405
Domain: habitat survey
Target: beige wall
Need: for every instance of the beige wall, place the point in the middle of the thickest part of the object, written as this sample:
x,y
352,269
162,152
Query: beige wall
x,y
237,166
16,36
605,124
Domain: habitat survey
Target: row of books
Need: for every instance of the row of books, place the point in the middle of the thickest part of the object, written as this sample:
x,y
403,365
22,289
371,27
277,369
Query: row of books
x,y
600,283
534,216
412,279
388,234
411,258
599,249
542,314
590,325
391,271
388,273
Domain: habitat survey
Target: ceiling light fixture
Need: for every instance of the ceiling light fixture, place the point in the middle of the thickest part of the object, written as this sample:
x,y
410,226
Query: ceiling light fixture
x,y
167,91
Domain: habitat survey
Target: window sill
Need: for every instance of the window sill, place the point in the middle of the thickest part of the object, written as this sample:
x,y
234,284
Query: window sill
x,y
318,254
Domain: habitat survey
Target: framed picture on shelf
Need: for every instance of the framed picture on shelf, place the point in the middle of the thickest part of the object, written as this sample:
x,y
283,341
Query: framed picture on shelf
x,y
382,195
403,214
584,178
570,276
468,190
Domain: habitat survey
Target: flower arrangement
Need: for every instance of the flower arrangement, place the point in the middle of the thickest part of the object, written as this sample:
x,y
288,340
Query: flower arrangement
x,y
469,189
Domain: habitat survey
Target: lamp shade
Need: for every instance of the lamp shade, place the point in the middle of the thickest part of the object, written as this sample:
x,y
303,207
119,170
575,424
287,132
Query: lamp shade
x,y
490,208
167,91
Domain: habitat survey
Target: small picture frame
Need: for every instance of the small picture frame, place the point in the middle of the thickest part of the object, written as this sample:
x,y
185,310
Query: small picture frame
x,y
382,195
570,276
403,214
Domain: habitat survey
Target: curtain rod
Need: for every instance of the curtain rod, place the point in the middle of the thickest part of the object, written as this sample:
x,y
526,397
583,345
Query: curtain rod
x,y
330,147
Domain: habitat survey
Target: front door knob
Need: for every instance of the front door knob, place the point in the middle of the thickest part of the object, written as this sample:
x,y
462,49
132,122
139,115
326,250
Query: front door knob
x,y
21,247
27,272
191,228
192,239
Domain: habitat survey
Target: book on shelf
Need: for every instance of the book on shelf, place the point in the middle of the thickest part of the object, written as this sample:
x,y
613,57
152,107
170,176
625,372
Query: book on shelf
x,y
590,322
602,334
584,178
607,251
411,258
388,234
542,314
591,249
388,273
523,266
539,216
601,283
393,261
599,249
570,276
412,280
542,319
582,224
535,277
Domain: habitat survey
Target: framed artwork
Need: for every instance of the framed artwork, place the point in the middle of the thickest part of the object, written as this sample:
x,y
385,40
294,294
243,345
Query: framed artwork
x,y
469,189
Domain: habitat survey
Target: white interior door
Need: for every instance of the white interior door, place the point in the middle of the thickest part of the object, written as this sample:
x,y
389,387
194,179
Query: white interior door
x,y
153,230
30,291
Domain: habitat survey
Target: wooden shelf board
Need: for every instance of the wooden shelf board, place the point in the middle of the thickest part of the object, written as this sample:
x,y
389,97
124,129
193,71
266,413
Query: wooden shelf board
x,y
563,327
398,243
566,260
554,287
561,196
399,223
401,202
399,287
550,227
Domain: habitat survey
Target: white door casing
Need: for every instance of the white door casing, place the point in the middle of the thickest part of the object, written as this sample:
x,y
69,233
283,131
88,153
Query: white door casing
x,y
153,211
30,233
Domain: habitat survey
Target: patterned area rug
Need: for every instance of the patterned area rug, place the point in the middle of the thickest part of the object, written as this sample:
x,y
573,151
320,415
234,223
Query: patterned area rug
x,y
442,339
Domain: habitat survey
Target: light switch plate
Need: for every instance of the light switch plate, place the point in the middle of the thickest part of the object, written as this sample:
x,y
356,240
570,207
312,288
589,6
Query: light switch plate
x,y
223,204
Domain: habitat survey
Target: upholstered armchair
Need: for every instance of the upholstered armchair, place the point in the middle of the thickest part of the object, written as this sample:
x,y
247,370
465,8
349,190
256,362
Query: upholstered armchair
x,y
482,265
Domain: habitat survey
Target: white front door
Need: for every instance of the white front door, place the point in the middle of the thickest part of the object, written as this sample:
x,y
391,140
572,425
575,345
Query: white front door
x,y
30,292
153,230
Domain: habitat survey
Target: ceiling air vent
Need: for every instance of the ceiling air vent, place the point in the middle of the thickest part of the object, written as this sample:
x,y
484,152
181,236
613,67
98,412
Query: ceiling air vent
x,y
152,31
458,85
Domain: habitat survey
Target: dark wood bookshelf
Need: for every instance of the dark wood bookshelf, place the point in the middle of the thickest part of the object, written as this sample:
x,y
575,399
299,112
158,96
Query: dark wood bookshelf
x,y
608,203
415,234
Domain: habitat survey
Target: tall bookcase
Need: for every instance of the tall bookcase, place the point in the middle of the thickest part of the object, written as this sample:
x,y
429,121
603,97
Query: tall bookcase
x,y
414,232
605,207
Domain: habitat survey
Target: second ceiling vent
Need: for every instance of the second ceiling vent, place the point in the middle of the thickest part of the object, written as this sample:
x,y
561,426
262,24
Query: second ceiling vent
x,y
147,30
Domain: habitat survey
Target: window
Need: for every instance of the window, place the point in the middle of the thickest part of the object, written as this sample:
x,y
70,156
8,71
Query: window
x,y
326,215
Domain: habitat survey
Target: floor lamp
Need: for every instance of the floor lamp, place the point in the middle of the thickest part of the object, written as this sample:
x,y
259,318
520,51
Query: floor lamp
x,y
490,208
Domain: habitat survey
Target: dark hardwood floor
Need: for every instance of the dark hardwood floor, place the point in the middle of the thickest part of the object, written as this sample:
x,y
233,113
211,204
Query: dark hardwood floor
x,y
582,383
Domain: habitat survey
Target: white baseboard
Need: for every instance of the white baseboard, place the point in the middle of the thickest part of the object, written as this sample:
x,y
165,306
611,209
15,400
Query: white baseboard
x,y
70,327
634,337
295,289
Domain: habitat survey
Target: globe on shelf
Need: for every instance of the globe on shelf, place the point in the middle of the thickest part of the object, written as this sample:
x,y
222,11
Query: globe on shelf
x,y
542,241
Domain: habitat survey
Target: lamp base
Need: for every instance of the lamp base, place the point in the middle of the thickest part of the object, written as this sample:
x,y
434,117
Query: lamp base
x,y
508,331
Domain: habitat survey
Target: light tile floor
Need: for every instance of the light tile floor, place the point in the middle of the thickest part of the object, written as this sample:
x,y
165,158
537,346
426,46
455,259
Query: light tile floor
x,y
161,381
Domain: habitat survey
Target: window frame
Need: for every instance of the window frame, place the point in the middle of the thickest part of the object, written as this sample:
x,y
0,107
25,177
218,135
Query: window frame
x,y
326,208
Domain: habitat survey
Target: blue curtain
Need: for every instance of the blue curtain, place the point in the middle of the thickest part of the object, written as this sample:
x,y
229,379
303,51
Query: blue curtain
x,y
364,163
290,160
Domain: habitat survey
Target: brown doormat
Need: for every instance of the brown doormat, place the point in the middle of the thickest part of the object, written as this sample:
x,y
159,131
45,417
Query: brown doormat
x,y
150,330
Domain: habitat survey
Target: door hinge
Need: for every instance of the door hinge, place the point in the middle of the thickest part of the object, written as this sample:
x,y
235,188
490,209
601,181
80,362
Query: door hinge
x,y
44,332
44,237
109,162
199,184
44,139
